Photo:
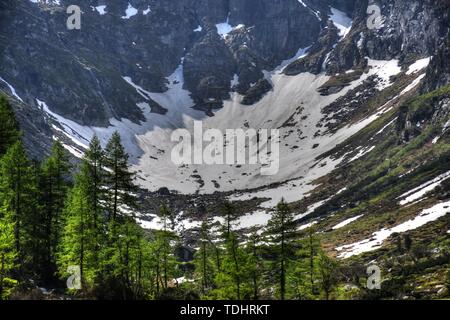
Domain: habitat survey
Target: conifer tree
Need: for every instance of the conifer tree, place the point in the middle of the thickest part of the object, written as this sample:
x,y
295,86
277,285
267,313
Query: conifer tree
x,y
127,257
95,174
230,216
121,197
328,278
234,252
123,252
80,241
165,216
168,241
281,231
34,227
93,161
54,185
8,252
16,190
231,278
305,275
9,128
202,260
254,263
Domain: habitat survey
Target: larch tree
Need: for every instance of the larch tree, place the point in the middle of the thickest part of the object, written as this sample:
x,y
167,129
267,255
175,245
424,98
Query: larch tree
x,y
9,127
120,189
304,276
167,240
8,253
281,232
204,263
254,264
328,274
54,185
81,234
16,196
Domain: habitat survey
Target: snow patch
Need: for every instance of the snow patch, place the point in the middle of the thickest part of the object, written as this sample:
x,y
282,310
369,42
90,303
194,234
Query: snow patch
x,y
147,11
224,28
301,53
288,92
48,2
130,12
418,65
181,222
316,13
11,88
306,226
341,21
384,70
150,145
101,10
255,219
347,222
413,84
361,153
376,240
422,190
311,209
386,126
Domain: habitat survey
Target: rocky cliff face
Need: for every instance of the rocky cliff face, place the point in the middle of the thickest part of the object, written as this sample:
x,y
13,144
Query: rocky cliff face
x,y
224,52
438,74
79,73
225,45
409,29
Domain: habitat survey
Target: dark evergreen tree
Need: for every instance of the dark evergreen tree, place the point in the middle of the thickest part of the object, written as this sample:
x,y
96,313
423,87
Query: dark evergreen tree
x,y
8,253
304,274
54,185
9,128
230,216
328,277
168,240
120,189
254,266
231,278
95,194
123,252
281,232
16,191
82,235
204,258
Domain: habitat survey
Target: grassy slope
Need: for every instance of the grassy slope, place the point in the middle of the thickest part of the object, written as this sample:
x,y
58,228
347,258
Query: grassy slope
x,y
374,183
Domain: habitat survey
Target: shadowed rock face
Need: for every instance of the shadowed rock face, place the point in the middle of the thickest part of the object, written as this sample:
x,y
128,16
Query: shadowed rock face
x,y
420,28
315,60
411,29
438,74
79,73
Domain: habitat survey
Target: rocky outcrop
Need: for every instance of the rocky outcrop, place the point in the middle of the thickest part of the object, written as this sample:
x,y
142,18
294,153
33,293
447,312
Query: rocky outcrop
x,y
438,73
79,73
416,28
209,68
410,30
265,33
317,56
255,93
